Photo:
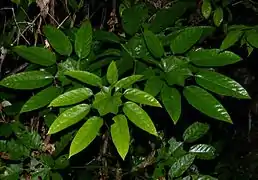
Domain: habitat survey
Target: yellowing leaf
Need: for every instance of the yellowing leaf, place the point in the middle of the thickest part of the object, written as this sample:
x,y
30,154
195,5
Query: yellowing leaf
x,y
141,97
69,117
72,97
86,134
120,135
139,117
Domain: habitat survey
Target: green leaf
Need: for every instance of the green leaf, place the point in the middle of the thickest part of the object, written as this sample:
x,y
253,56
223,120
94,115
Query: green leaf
x,y
72,97
83,40
231,38
139,117
141,97
181,165
58,40
213,57
173,63
185,39
12,172
133,18
36,55
128,81
27,80
153,44
112,73
69,117
252,38
31,140
41,99
85,77
178,76
221,84
195,132
120,135
105,103
203,151
206,103
171,99
206,8
62,162
86,134
106,36
153,85
218,16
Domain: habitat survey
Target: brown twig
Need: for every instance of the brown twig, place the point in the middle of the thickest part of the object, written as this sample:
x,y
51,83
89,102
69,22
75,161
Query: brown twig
x,y
104,169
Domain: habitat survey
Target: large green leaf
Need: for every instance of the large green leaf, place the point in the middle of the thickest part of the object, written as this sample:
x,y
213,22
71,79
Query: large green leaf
x,y
153,85
86,134
27,80
185,39
153,44
36,55
221,84
72,97
218,16
161,21
112,73
213,57
206,103
252,38
101,35
120,135
41,99
58,40
85,77
206,8
181,165
139,117
173,63
133,17
171,99
178,76
128,81
203,151
69,117
141,97
195,132
105,103
231,38
83,40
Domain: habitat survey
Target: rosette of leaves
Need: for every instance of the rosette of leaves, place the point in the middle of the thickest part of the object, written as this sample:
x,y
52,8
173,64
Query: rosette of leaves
x,y
176,162
173,62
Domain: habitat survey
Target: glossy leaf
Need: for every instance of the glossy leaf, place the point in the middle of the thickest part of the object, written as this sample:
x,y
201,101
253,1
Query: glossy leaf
x,y
252,38
120,135
139,117
185,39
173,63
178,76
206,103
133,17
69,117
171,99
27,80
86,134
112,73
72,97
58,40
41,99
36,55
153,85
231,38
106,36
206,8
218,16
195,132
221,84
83,40
105,103
85,77
128,81
181,165
141,97
213,57
153,44
203,151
